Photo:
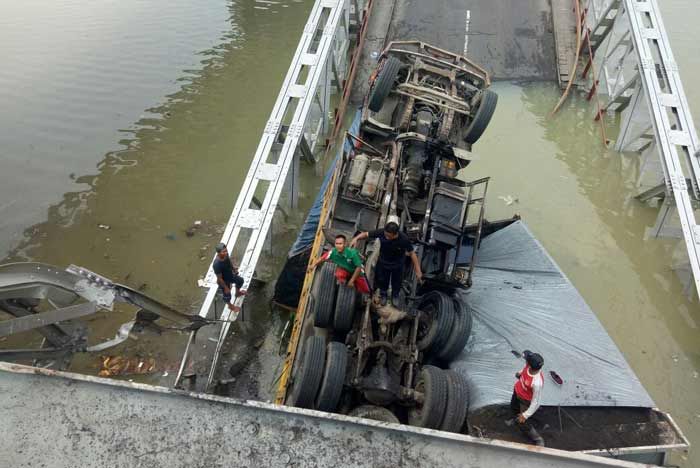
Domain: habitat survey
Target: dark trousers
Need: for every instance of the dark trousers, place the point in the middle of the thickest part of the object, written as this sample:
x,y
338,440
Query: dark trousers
x,y
384,274
518,405
238,281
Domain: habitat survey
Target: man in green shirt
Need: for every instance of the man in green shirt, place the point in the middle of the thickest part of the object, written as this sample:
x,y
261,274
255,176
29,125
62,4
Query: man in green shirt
x,y
349,265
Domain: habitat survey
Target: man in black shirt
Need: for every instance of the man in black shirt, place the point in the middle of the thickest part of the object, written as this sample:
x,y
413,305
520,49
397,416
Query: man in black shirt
x,y
226,275
395,245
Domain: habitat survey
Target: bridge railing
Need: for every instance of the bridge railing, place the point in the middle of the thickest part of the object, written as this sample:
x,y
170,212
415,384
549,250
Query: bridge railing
x,y
638,74
298,125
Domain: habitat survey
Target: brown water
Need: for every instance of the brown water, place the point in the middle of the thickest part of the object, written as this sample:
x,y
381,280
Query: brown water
x,y
207,78
144,116
576,196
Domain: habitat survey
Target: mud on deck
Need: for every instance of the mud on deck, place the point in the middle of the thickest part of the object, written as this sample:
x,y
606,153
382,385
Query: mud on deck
x,y
580,428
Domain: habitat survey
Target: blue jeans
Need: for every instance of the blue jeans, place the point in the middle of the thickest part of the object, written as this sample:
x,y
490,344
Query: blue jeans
x,y
238,281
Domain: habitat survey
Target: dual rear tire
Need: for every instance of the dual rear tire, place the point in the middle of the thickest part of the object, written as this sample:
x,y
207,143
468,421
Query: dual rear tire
x,y
319,382
459,334
445,401
444,326
344,309
324,296
334,305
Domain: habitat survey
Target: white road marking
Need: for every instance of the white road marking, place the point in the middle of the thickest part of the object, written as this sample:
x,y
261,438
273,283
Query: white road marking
x,y
466,32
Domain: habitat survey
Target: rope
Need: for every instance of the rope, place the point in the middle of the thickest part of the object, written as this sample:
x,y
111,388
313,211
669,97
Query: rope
x,y
572,74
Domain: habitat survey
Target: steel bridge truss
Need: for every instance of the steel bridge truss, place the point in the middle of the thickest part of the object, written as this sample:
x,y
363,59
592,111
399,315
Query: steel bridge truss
x,y
298,126
637,73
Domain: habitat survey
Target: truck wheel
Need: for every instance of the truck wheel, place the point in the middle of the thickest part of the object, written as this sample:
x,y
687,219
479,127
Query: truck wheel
x,y
432,383
344,309
457,402
308,379
324,295
482,117
333,377
384,83
377,413
461,329
436,321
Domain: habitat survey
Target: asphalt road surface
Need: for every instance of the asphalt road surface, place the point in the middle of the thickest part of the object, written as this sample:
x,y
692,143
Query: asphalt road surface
x,y
512,39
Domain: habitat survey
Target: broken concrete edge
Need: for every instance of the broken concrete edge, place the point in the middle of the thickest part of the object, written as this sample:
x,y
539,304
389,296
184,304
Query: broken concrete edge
x,y
319,416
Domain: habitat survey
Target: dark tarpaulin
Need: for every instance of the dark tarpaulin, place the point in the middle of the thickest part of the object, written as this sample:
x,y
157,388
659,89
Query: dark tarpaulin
x,y
291,279
308,230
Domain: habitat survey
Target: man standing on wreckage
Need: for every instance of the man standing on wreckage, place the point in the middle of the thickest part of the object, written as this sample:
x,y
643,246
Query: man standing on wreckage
x,y
395,247
527,395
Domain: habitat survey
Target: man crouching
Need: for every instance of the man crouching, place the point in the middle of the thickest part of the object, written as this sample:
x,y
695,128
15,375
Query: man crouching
x,y
227,275
348,265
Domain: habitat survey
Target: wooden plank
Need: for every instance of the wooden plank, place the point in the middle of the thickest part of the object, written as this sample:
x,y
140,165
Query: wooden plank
x,y
564,21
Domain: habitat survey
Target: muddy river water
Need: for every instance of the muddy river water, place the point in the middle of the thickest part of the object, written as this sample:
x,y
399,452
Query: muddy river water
x,y
122,123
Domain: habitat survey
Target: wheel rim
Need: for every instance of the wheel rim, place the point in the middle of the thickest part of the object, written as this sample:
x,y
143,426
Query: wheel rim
x,y
418,408
425,322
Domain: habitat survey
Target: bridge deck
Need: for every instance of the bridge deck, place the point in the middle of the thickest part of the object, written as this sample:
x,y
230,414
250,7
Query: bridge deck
x,y
117,423
512,39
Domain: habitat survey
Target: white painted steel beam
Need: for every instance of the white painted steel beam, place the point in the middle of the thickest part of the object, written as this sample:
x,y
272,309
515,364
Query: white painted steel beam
x,y
643,82
306,96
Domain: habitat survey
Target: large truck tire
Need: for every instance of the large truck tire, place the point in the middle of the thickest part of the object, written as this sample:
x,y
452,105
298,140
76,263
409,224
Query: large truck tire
x,y
376,413
432,383
383,83
324,296
308,379
344,309
457,405
333,377
459,335
436,321
482,118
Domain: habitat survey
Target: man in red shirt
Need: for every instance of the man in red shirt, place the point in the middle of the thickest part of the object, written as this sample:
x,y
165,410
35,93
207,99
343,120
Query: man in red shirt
x,y
527,394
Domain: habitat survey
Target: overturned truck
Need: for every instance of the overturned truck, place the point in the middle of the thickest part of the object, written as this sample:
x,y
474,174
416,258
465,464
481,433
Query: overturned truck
x,y
443,357
425,109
